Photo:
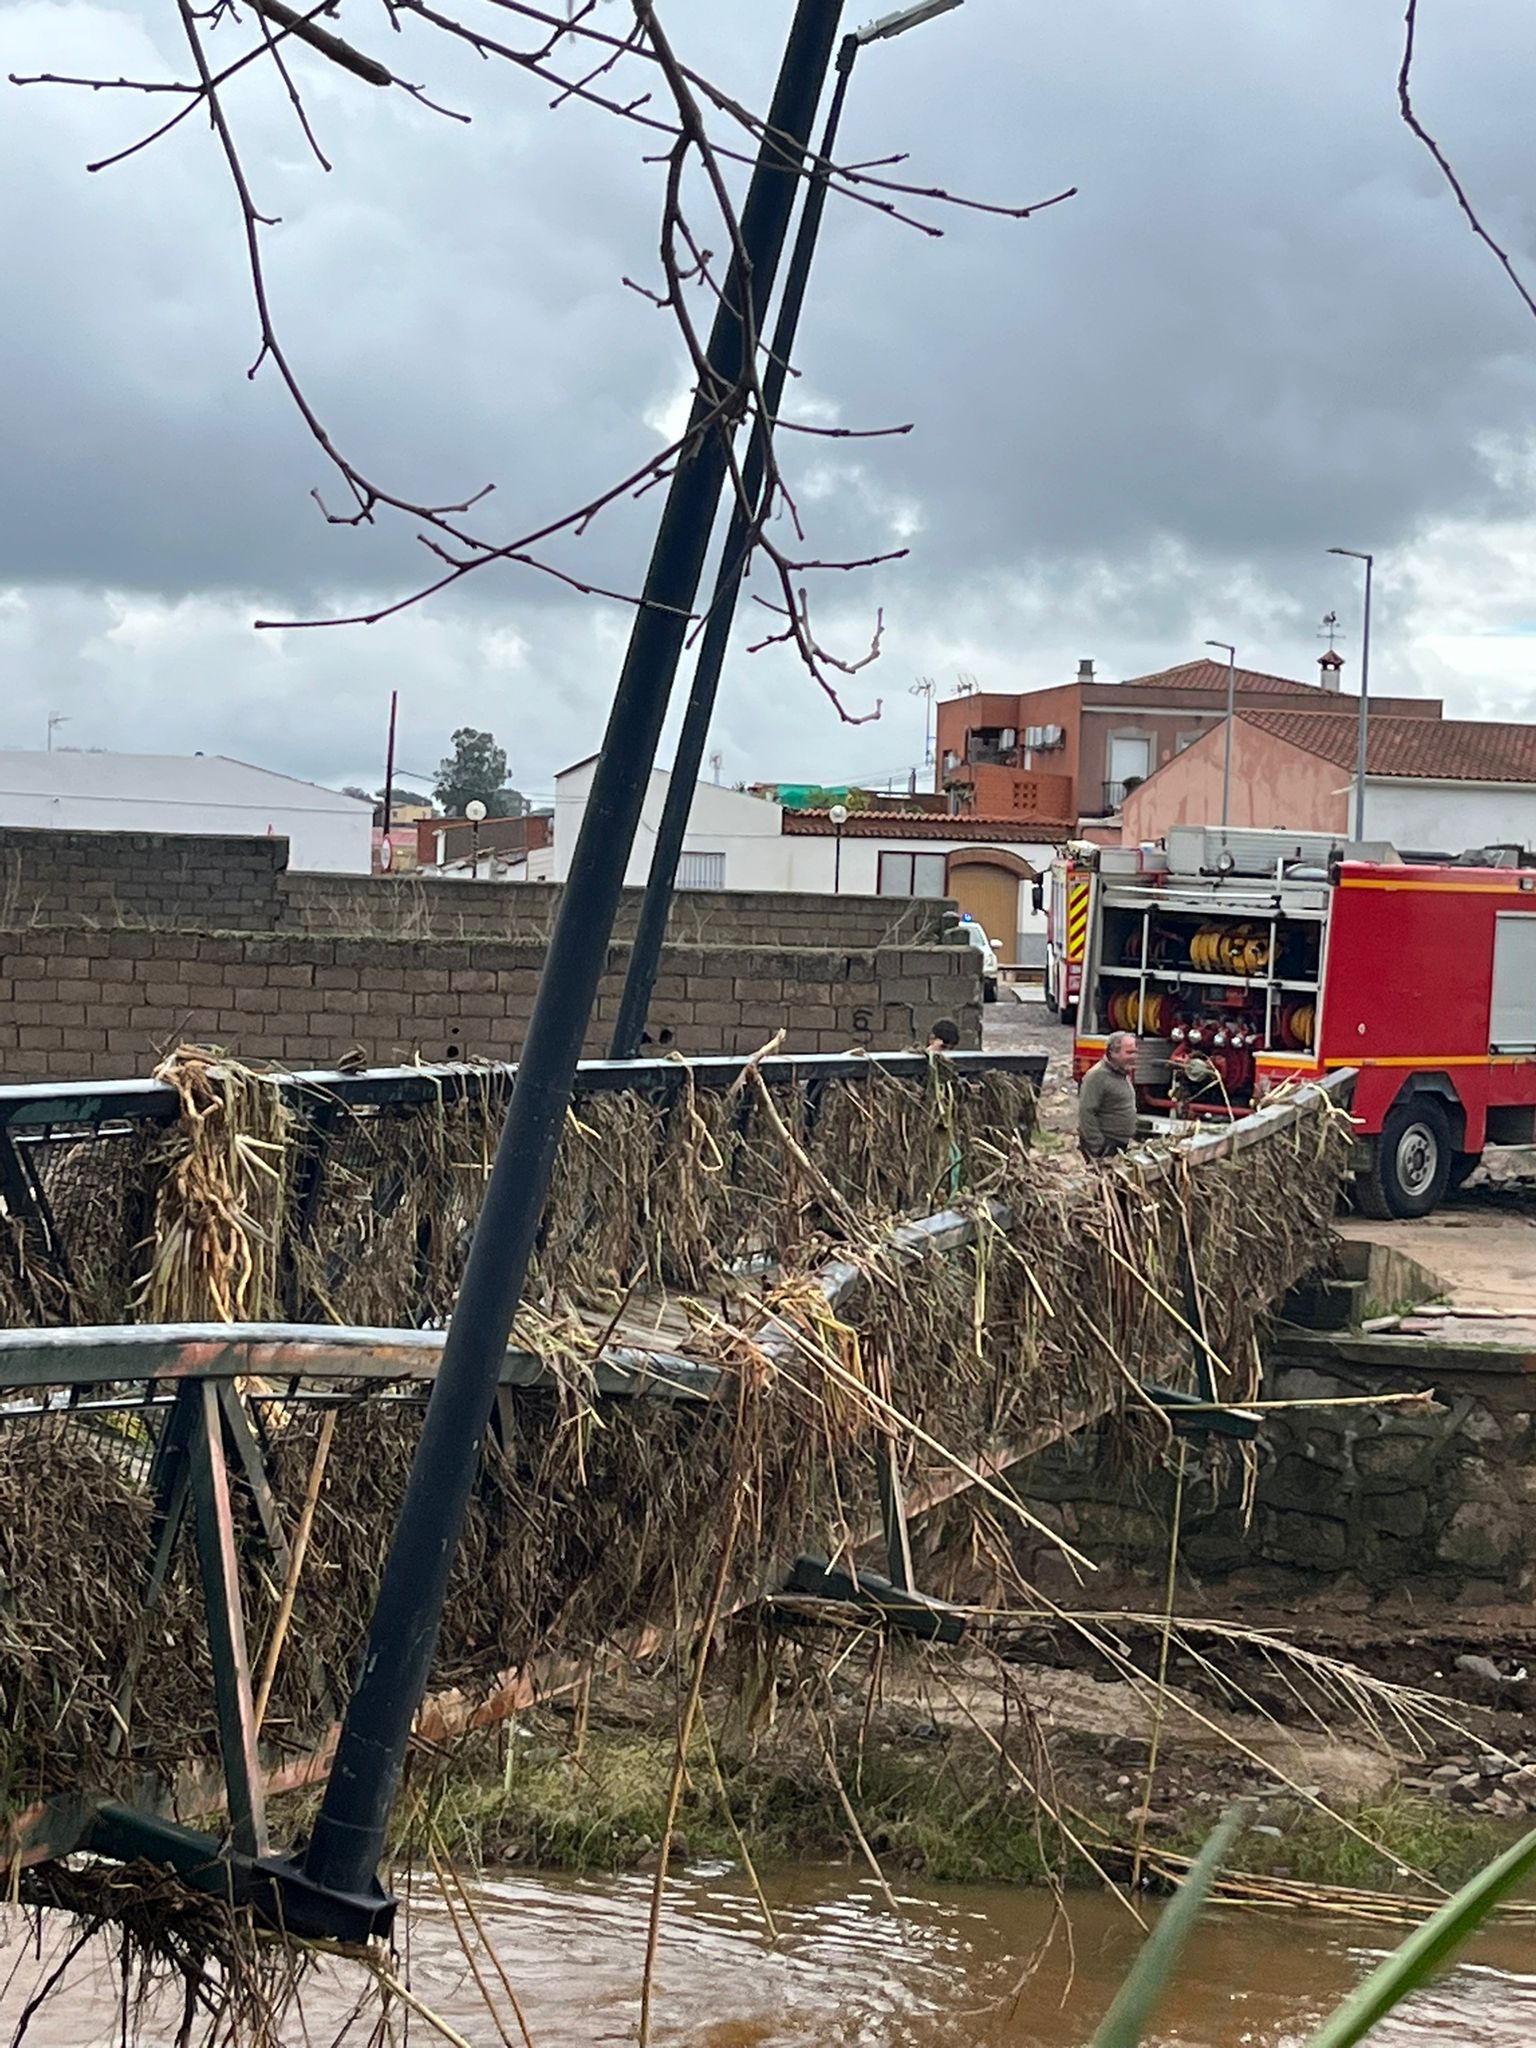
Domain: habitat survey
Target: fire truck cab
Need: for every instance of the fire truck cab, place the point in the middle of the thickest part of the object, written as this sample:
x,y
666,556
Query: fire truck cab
x,y
1245,960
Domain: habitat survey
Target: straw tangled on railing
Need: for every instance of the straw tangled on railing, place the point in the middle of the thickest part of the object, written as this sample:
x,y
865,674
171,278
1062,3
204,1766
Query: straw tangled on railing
x,y
595,1522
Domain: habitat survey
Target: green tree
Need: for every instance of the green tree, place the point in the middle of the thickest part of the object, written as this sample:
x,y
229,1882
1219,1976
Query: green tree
x,y
477,767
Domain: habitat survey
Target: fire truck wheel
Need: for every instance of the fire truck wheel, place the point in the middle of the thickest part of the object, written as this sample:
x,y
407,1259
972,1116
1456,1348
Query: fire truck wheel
x,y
1052,1007
1412,1167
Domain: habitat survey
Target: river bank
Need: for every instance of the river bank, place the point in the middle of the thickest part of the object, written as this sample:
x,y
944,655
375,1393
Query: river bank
x,y
952,1783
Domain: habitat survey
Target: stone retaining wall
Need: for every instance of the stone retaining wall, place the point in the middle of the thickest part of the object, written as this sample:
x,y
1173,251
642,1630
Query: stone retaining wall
x,y
1418,1503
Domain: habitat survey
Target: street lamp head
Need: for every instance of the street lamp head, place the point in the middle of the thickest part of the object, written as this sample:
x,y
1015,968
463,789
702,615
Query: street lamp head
x,y
1225,646
474,810
904,18
1354,554
839,815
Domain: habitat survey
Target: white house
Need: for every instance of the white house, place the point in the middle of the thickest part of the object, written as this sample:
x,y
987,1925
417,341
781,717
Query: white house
x,y
75,790
739,841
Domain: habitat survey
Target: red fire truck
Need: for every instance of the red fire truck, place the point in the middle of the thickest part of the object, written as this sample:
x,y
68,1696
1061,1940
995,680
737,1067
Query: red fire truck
x,y
1066,896
1244,960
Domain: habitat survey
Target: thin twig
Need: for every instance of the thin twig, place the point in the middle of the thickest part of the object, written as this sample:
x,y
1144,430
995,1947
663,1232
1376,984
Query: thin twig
x,y
1406,107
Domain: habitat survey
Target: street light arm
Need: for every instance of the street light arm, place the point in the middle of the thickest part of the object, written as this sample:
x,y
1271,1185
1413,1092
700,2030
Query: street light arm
x,y
904,18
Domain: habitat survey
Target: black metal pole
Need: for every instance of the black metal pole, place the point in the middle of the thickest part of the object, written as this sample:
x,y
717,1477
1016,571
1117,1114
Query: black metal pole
x,y
349,1834
651,927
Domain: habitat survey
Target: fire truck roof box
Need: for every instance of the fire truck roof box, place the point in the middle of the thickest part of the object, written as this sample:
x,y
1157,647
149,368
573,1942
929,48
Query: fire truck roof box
x,y
1199,850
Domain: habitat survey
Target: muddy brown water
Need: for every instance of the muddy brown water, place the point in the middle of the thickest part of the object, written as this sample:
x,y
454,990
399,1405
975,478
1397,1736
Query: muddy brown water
x,y
845,1973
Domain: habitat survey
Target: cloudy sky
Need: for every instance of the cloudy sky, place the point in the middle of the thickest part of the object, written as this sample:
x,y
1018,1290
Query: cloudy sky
x,y
1261,327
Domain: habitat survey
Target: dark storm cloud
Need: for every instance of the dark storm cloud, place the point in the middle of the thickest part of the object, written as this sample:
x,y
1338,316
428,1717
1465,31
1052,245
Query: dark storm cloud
x,y
1262,326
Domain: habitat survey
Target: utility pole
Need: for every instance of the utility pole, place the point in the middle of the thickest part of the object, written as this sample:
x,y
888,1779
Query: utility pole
x,y
925,687
1354,555
1226,758
349,1833
386,851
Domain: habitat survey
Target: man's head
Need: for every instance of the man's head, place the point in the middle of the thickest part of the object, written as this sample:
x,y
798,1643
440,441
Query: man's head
x,y
1120,1051
944,1035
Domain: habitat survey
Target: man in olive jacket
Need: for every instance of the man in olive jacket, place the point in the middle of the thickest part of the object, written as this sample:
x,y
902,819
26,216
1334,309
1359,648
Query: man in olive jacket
x,y
1106,1100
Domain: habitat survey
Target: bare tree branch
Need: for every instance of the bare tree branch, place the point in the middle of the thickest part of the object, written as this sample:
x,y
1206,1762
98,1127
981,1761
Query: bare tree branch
x,y
574,59
1405,103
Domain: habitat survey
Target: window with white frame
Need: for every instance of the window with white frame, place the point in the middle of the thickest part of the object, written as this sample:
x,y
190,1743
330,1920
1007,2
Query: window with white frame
x,y
701,871
912,874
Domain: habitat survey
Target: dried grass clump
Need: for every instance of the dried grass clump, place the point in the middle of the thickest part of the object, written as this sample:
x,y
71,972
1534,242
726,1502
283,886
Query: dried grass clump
x,y
647,1193
75,1517
219,1208
242,1213
174,1947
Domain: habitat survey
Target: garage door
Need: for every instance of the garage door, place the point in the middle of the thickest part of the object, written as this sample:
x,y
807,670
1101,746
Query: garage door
x,y
991,895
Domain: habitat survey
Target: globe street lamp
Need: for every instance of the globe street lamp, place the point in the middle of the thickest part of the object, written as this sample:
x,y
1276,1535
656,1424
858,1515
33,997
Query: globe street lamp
x,y
839,816
474,810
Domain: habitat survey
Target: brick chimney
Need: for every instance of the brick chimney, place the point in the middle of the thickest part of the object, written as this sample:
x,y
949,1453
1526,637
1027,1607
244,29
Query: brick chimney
x,y
1331,664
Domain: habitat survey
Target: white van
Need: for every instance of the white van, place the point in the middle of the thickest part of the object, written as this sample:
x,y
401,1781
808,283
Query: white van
x,y
983,945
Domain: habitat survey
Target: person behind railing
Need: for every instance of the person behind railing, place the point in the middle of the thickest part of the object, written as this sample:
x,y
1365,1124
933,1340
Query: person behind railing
x,y
943,1036
1106,1100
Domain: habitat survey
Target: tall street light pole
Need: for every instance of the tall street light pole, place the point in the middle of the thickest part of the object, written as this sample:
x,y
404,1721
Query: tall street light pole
x,y
349,1831
651,926
1354,555
1226,759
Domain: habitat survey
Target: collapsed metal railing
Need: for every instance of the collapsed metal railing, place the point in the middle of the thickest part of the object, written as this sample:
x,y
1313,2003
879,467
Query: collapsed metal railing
x,y
188,1408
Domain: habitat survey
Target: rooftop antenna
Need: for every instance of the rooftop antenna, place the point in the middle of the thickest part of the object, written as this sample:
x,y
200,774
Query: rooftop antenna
x,y
55,720
716,762
925,687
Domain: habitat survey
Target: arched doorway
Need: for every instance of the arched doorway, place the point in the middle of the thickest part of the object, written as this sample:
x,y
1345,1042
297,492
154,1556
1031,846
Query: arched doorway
x,y
987,881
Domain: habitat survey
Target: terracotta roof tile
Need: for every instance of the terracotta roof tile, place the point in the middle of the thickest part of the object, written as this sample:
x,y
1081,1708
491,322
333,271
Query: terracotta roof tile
x,y
1431,749
1212,675
964,828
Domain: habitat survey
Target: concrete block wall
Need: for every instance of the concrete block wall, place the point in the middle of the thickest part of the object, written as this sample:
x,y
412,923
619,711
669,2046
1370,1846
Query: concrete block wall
x,y
79,1004
425,906
200,883
97,880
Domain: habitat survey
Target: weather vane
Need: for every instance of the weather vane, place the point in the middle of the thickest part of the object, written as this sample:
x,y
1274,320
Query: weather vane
x,y
1329,629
